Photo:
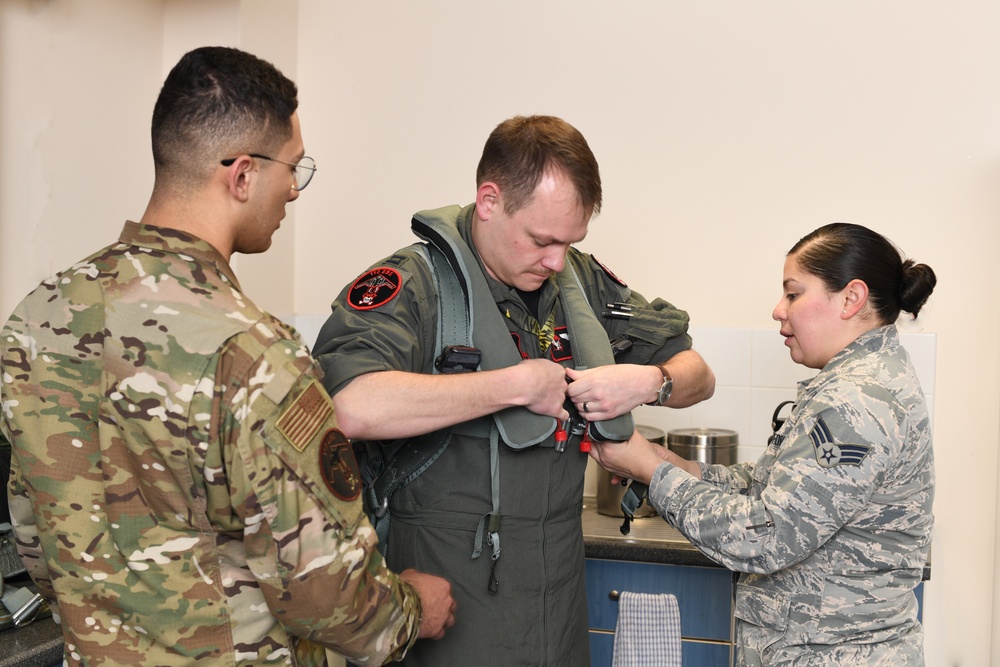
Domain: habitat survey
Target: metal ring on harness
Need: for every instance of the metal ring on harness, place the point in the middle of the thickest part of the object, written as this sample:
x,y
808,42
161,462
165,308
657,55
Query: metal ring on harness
x,y
382,509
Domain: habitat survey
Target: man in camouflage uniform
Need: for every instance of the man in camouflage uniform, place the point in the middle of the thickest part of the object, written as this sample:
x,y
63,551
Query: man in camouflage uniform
x,y
180,489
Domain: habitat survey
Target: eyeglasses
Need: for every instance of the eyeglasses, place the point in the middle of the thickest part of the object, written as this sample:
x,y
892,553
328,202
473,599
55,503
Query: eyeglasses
x,y
304,169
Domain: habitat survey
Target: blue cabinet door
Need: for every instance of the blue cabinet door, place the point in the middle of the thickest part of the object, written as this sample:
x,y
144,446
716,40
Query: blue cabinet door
x,y
704,596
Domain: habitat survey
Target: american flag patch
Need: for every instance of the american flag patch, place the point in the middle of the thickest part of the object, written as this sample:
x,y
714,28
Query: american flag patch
x,y
829,454
304,418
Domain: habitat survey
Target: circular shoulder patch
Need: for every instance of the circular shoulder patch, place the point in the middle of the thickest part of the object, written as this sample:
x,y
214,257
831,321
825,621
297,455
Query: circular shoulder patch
x,y
338,466
374,288
609,273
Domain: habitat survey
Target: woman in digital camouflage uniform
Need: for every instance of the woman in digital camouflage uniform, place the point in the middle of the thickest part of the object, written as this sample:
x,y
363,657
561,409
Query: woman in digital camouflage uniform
x,y
831,528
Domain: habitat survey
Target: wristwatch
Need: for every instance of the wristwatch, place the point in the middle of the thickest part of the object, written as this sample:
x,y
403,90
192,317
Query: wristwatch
x,y
663,395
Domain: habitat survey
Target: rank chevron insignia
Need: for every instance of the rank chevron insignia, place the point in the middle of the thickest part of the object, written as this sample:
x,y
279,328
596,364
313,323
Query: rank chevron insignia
x,y
829,453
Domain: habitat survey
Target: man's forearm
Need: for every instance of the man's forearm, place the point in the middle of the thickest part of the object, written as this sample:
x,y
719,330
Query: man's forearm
x,y
396,404
693,380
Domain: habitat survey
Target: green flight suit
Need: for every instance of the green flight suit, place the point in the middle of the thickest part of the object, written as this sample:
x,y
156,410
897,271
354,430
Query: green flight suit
x,y
538,615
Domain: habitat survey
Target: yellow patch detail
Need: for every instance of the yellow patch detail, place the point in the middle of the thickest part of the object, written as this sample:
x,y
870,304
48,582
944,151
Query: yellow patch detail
x,y
303,419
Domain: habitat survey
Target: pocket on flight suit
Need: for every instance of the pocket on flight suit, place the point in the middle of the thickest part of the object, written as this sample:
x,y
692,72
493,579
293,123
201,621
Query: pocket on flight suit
x,y
763,618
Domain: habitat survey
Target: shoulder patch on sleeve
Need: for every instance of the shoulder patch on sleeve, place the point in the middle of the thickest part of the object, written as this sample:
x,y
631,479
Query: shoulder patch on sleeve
x,y
609,273
301,420
374,288
829,453
339,467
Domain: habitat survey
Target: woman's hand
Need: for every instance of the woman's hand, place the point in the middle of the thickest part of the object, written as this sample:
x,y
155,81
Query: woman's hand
x,y
638,458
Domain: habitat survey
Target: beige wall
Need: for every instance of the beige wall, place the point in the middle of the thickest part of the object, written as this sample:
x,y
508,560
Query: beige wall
x,y
725,130
74,148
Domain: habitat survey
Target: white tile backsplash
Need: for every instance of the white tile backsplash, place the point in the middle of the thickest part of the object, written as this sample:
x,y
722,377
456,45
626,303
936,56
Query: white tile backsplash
x,y
771,365
729,408
754,373
748,408
727,352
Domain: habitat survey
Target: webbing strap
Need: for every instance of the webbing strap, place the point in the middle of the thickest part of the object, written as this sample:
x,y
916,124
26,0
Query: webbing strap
x,y
402,466
591,348
398,468
633,497
454,328
489,524
519,427
475,428
454,312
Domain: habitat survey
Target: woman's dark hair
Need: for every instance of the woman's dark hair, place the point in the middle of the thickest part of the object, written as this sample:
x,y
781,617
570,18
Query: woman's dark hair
x,y
841,252
215,103
520,150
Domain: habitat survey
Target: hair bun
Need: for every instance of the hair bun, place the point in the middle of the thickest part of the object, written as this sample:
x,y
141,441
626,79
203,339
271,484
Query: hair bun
x,y
916,286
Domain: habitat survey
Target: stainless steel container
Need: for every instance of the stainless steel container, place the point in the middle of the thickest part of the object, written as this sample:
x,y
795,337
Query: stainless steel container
x,y
609,496
708,445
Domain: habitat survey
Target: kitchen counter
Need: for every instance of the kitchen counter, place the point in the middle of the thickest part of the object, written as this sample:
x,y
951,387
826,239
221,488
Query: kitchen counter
x,y
650,540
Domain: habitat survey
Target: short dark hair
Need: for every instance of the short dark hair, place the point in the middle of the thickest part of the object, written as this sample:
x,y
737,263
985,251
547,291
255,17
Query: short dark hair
x,y
218,102
520,150
841,252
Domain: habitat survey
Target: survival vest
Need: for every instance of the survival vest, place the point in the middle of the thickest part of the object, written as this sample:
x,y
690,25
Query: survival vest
x,y
468,317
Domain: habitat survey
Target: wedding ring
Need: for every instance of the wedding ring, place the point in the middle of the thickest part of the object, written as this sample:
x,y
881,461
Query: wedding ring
x,y
585,408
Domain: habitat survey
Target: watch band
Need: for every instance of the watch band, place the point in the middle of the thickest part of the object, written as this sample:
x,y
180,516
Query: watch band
x,y
663,394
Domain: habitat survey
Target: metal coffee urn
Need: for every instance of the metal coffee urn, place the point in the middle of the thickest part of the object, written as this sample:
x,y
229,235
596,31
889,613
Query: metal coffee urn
x,y
609,497
708,445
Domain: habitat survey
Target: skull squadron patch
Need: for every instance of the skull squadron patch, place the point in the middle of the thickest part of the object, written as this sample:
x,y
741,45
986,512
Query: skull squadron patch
x,y
829,453
374,288
338,466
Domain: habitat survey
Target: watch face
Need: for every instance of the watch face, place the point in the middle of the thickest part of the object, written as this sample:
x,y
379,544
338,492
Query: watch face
x,y
663,394
665,390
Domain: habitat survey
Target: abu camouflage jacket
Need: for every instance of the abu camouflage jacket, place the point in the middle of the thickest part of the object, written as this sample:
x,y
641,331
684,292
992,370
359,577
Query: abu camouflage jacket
x,y
832,526
180,490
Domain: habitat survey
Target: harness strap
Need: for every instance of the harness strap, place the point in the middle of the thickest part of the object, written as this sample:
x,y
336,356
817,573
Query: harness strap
x,y
454,322
391,466
464,298
633,497
592,348
519,428
490,523
476,428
